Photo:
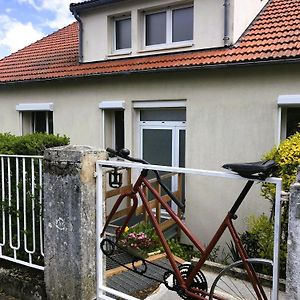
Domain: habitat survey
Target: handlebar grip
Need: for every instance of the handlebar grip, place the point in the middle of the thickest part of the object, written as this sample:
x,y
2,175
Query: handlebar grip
x,y
111,150
124,153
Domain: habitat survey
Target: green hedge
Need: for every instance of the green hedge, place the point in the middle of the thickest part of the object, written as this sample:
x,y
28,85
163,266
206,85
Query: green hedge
x,y
30,144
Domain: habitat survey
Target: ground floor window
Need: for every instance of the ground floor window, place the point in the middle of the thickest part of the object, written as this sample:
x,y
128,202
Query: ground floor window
x,y
292,120
113,130
36,117
288,116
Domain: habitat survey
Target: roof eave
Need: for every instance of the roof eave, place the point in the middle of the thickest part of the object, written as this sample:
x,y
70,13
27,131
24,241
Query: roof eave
x,y
161,70
78,7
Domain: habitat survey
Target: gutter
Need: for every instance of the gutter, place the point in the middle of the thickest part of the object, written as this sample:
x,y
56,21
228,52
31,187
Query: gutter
x,y
226,23
77,17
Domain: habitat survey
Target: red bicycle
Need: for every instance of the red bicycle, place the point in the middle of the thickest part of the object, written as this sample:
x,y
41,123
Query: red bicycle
x,y
187,279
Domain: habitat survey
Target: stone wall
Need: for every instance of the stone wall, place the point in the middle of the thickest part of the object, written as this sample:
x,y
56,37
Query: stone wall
x,y
293,259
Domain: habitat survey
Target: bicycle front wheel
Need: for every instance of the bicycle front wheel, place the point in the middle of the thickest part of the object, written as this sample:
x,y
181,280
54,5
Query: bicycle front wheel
x,y
233,282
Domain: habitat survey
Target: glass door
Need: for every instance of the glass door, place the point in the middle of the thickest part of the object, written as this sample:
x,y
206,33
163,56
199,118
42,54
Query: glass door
x,y
164,144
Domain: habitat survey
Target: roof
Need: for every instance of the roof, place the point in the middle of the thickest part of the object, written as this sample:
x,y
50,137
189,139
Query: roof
x,y
273,37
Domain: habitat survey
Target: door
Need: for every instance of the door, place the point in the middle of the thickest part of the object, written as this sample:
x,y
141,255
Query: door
x,y
163,142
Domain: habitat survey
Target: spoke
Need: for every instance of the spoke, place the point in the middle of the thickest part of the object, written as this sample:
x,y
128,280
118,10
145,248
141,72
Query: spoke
x,y
234,285
246,285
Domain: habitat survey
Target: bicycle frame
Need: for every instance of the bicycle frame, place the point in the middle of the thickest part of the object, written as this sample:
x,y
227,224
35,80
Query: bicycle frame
x,y
137,189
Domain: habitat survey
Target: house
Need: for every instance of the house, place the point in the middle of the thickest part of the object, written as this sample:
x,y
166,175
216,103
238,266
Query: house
x,y
194,83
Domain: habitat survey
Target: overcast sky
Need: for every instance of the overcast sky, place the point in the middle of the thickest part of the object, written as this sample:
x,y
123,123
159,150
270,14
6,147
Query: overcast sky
x,y
25,21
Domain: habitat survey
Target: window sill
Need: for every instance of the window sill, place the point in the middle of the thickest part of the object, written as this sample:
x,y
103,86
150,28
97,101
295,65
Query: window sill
x,y
166,47
119,54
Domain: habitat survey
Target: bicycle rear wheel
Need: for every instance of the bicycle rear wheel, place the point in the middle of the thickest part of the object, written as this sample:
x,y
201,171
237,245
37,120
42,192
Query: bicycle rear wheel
x,y
233,282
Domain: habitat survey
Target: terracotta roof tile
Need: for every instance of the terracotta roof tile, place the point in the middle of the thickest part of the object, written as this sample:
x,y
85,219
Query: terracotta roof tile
x,y
274,35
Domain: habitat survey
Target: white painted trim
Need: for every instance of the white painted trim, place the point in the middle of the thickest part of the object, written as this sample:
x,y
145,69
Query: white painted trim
x,y
112,105
20,123
169,29
279,120
34,107
159,104
124,50
288,100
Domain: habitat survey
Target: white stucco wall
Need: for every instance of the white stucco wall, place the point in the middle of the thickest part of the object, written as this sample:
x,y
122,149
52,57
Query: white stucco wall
x,y
244,12
231,117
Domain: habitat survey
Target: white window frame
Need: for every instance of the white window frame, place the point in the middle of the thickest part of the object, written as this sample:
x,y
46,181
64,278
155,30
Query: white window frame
x,y
284,102
114,47
110,106
34,107
34,121
169,30
175,126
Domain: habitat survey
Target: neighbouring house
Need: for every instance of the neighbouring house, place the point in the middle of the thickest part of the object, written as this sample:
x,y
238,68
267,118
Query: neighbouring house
x,y
194,83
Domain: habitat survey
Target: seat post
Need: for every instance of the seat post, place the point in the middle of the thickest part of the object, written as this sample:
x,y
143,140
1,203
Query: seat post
x,y
241,197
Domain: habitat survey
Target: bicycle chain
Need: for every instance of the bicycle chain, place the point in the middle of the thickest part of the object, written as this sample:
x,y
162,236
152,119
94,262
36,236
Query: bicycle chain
x,y
109,252
185,269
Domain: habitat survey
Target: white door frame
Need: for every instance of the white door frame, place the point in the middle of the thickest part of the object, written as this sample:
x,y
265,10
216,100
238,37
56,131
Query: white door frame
x,y
175,126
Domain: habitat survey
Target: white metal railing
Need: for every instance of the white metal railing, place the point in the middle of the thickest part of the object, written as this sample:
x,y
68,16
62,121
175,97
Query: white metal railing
x,y
21,210
100,202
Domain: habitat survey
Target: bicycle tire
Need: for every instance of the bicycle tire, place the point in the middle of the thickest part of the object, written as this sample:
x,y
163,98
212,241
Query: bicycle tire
x,y
233,283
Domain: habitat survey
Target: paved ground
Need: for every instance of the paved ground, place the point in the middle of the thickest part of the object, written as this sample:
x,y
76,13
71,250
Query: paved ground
x,y
163,293
129,283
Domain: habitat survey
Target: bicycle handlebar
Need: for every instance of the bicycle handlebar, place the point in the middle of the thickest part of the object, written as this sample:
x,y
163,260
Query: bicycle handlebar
x,y
124,153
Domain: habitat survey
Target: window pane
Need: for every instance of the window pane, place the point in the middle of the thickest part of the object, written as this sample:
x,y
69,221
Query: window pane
x,y
40,121
119,129
156,25
182,22
123,34
163,115
158,141
50,119
293,121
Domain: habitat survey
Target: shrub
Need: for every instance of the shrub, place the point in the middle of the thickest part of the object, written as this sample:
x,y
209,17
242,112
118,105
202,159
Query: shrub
x,y
259,236
258,240
30,144
287,157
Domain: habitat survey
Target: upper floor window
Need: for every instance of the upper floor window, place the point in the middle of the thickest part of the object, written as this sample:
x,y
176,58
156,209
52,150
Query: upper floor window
x,y
173,25
122,34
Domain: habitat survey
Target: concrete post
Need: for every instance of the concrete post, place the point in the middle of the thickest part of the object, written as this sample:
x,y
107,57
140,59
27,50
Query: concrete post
x,y
69,222
293,257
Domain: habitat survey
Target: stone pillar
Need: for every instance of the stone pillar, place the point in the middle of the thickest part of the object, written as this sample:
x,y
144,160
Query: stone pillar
x,y
69,222
293,258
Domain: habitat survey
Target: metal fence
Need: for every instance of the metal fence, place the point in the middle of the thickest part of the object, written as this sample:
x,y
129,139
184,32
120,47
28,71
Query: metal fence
x,y
21,210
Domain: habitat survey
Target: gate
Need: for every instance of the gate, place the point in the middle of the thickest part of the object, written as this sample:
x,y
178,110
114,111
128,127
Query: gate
x,y
103,291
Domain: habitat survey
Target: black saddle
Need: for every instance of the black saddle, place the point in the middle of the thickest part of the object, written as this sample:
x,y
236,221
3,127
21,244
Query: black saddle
x,y
259,170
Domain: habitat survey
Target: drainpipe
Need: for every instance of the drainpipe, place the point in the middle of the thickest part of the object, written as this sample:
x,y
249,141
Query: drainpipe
x,y
226,23
77,17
